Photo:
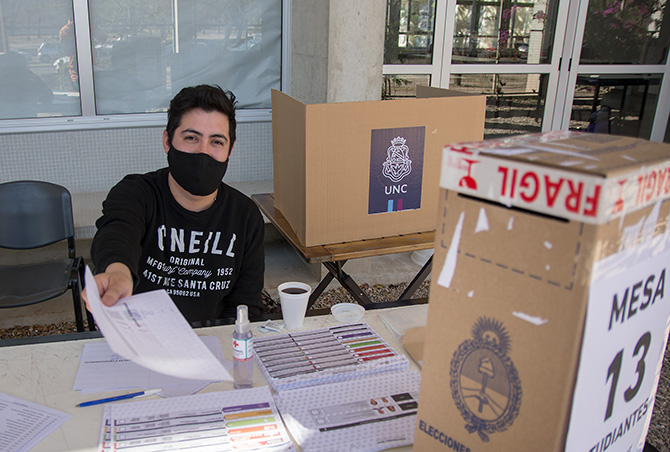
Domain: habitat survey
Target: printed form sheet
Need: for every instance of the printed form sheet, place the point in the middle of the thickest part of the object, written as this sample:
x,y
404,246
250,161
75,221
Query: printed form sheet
x,y
244,419
100,369
23,424
149,330
373,413
325,355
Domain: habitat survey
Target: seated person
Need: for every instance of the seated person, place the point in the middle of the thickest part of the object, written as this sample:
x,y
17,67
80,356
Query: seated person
x,y
181,228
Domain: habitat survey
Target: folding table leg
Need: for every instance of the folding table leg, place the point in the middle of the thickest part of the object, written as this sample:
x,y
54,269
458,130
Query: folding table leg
x,y
418,279
335,272
347,282
319,289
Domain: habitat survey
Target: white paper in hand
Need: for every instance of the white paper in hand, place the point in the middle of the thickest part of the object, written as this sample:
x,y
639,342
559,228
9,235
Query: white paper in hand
x,y
149,330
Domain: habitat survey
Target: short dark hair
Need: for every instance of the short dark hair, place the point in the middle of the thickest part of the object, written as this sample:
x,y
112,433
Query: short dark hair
x,y
205,97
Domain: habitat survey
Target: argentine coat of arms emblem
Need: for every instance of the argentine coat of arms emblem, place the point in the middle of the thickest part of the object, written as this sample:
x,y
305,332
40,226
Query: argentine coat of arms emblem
x,y
484,382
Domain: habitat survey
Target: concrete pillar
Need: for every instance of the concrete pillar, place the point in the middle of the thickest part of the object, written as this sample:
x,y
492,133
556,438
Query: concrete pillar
x,y
309,50
337,50
356,50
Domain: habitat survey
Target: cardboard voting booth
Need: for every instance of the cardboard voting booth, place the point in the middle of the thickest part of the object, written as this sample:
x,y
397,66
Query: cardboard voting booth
x,y
358,170
550,295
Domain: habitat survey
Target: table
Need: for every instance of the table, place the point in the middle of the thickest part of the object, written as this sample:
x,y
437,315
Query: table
x,y
44,373
334,256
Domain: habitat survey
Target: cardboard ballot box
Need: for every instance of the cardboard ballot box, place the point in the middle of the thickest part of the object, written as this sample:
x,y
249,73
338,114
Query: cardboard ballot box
x,y
550,296
357,170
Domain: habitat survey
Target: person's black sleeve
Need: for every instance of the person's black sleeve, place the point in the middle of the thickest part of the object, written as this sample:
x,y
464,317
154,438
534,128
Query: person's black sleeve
x,y
122,226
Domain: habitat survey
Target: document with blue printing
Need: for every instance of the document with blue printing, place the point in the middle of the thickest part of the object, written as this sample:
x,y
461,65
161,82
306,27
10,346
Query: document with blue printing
x,y
149,330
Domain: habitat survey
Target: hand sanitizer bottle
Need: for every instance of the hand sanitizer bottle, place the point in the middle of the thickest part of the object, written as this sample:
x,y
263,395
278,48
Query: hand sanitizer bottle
x,y
243,366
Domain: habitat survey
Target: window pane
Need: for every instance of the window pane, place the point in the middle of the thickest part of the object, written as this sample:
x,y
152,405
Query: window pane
x,y
145,52
402,86
35,59
631,32
409,31
504,31
514,102
615,104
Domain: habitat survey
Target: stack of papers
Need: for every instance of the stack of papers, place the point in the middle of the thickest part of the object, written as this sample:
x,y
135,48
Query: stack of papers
x,y
400,320
373,413
100,369
245,419
341,388
24,424
325,355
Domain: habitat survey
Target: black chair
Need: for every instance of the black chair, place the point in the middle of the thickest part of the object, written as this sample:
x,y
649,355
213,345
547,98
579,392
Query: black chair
x,y
34,215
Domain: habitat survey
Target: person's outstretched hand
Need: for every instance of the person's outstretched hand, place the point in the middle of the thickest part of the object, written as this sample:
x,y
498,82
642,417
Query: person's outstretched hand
x,y
115,283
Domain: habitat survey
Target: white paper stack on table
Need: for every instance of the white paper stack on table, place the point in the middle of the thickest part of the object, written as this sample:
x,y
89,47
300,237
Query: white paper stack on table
x,y
100,369
23,423
341,388
245,419
325,355
399,321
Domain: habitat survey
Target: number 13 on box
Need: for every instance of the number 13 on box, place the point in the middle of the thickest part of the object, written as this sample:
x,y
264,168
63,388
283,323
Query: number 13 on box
x,y
622,350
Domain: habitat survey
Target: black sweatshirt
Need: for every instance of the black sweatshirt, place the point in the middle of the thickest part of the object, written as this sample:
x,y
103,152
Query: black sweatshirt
x,y
208,262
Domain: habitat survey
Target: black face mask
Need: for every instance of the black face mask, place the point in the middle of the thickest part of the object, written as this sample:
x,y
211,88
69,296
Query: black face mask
x,y
199,174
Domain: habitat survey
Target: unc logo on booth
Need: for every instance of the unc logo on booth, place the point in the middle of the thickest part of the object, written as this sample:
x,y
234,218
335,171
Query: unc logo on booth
x,y
397,164
395,178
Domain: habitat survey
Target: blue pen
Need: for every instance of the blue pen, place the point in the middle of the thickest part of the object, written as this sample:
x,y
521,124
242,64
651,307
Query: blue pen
x,y
132,395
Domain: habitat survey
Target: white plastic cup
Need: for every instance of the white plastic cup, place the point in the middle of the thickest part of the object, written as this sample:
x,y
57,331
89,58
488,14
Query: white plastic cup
x,y
294,297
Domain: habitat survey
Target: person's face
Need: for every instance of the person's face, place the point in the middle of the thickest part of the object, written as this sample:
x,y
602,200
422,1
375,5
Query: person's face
x,y
202,132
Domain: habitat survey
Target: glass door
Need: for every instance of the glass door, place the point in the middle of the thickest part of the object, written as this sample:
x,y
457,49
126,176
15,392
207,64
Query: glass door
x,y
506,50
596,65
616,77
